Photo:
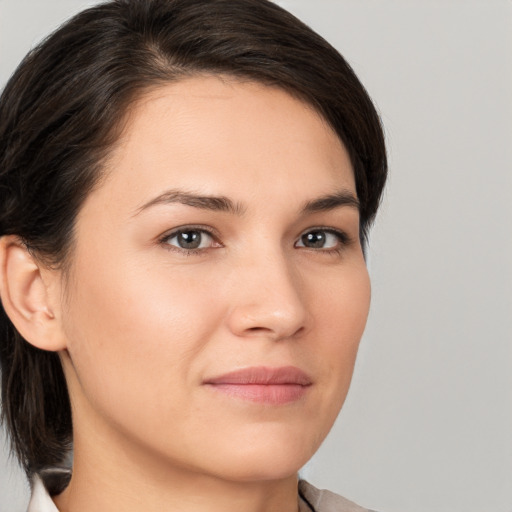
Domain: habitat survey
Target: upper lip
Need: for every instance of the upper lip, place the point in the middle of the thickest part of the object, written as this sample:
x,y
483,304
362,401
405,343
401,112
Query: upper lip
x,y
263,375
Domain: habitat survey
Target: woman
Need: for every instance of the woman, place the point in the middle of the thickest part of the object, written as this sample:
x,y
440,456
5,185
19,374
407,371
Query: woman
x,y
186,189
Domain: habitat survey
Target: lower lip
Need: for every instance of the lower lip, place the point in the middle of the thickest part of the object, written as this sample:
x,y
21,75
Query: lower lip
x,y
270,394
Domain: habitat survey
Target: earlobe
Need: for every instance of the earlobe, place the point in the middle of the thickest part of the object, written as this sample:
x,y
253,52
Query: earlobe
x,y
27,296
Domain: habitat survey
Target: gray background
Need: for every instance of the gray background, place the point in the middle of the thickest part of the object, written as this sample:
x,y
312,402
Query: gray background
x,y
427,426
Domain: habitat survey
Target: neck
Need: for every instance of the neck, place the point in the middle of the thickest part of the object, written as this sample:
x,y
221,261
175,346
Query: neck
x,y
109,477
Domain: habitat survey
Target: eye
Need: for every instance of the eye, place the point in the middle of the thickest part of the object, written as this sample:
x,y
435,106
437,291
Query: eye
x,y
190,239
322,239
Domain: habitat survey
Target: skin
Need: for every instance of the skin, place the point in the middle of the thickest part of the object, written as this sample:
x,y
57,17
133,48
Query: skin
x,y
141,323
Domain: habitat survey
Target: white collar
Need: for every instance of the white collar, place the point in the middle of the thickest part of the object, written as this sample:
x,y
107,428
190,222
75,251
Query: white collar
x,y
40,500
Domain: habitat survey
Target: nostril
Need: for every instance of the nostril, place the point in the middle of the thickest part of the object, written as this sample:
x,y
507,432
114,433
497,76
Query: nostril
x,y
275,333
258,329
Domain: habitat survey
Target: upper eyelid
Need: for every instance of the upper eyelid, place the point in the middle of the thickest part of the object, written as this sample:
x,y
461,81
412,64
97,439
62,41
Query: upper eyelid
x,y
344,240
327,229
164,240
189,227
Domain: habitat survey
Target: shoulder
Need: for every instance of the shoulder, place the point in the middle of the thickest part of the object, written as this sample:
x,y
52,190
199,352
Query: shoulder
x,y
321,500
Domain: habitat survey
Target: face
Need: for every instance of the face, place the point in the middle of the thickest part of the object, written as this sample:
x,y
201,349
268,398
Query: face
x,y
218,290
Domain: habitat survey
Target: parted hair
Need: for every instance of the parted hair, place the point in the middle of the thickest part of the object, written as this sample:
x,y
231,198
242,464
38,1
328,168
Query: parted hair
x,y
63,109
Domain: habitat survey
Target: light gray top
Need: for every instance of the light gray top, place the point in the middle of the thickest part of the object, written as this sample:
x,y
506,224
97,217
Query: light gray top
x,y
320,500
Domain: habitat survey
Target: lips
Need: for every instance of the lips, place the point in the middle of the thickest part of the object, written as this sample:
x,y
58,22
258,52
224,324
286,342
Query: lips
x,y
271,386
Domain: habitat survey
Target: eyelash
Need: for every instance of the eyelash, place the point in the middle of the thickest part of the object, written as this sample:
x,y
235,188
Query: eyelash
x,y
343,240
164,240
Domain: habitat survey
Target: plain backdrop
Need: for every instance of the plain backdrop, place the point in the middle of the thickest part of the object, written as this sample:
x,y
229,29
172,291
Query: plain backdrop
x,y
427,426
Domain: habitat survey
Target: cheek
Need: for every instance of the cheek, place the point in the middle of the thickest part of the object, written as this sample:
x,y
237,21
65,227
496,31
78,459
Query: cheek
x,y
134,333
341,311
342,304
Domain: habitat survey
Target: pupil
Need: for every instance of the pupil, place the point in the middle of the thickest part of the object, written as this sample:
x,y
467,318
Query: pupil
x,y
314,239
189,239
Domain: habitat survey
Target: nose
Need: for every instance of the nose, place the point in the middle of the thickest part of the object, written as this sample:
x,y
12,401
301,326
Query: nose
x,y
269,300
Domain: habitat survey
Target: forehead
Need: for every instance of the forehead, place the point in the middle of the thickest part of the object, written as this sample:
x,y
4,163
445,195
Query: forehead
x,y
220,135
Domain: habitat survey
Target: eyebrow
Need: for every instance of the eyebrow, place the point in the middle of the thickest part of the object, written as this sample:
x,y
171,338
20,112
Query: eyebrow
x,y
224,204
212,203
331,202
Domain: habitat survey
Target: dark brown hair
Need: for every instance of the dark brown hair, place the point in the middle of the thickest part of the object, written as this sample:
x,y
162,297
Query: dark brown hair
x,y
62,110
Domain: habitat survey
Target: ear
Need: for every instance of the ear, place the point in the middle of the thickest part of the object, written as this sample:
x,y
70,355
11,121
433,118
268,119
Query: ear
x,y
30,295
